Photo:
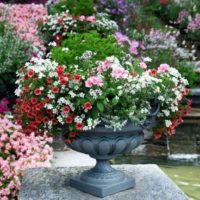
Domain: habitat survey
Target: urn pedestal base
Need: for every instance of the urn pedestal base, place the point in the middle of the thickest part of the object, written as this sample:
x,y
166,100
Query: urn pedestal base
x,y
102,180
102,190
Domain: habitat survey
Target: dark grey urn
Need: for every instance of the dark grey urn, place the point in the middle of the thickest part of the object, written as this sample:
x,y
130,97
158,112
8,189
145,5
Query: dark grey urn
x,y
103,144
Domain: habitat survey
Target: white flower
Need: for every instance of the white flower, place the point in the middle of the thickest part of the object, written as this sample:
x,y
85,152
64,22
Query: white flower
x,y
147,59
168,123
166,112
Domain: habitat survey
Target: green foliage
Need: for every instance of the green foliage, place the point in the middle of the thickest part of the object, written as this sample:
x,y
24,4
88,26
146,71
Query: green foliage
x,y
82,42
75,7
187,71
13,54
160,56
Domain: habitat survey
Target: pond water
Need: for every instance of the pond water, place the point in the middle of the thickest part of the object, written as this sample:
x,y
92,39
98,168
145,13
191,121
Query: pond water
x,y
183,169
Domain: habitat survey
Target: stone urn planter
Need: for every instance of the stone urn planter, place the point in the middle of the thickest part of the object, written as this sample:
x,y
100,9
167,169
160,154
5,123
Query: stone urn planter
x,y
104,144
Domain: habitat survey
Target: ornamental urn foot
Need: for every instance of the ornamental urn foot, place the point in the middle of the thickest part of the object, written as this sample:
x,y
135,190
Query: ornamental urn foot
x,y
102,180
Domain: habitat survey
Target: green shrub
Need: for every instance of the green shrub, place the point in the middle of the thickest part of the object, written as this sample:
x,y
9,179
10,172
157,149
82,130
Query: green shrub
x,y
187,71
13,54
75,7
79,43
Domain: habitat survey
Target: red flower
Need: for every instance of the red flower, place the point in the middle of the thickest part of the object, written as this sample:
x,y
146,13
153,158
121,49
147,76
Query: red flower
x,y
189,102
68,141
26,88
164,2
33,100
66,109
45,120
37,92
60,70
77,77
58,39
19,121
26,77
38,119
29,115
47,99
69,120
30,73
41,104
79,126
22,68
27,109
133,74
157,134
67,75
63,80
88,105
49,80
38,107
186,91
153,72
55,90
72,134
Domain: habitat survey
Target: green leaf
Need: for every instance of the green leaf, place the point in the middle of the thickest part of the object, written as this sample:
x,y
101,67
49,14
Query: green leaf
x,y
100,106
114,102
94,113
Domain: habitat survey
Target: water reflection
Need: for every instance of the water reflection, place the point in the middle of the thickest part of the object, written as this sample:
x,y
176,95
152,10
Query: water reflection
x,y
183,169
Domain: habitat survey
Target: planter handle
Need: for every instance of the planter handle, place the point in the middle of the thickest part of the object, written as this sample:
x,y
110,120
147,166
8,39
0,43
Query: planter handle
x,y
150,122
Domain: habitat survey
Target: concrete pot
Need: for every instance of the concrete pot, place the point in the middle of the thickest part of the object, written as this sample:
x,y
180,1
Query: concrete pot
x,y
103,144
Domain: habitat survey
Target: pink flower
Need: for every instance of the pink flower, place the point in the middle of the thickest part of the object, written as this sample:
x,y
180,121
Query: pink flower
x,y
19,152
143,65
91,19
133,47
163,68
94,80
119,72
81,18
105,65
121,38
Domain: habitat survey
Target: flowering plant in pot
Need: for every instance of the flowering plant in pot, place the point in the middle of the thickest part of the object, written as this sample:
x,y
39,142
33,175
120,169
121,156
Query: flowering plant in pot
x,y
103,100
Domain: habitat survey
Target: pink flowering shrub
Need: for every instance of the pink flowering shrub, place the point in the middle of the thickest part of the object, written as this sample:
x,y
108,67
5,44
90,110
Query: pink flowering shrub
x,y
17,153
24,19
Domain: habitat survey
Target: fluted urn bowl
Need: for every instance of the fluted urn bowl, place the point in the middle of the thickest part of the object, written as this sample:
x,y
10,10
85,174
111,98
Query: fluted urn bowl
x,y
104,144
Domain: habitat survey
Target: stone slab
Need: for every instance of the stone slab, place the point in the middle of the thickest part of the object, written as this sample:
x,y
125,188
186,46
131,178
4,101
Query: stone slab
x,y
53,184
72,158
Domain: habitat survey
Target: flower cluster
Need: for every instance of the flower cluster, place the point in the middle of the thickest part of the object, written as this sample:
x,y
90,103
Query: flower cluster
x,y
109,91
172,109
182,16
59,25
19,152
194,24
134,46
160,41
4,105
24,18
